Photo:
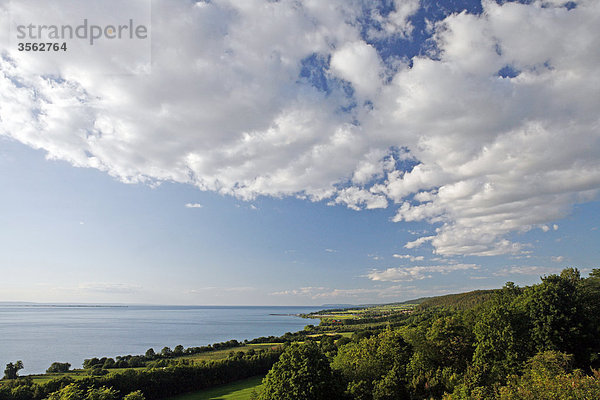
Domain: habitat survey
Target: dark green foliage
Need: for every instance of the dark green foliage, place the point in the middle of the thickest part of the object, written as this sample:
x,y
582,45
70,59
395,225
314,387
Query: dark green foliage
x,y
375,367
178,350
555,312
442,349
501,338
301,373
99,365
151,383
150,354
59,367
74,392
460,301
538,342
548,376
137,395
12,370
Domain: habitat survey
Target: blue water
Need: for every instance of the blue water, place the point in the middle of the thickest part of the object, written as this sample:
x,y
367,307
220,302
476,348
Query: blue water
x,y
40,335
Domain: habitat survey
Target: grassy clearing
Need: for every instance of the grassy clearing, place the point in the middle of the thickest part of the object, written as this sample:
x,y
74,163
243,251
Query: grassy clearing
x,y
75,374
222,354
240,390
207,356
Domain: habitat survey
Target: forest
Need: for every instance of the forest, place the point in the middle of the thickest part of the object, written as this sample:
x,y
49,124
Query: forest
x,y
535,342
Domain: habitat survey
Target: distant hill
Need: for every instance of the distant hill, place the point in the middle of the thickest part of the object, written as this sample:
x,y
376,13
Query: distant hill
x,y
459,300
339,306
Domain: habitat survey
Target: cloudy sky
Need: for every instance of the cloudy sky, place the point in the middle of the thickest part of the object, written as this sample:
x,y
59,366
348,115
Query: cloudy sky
x,y
299,152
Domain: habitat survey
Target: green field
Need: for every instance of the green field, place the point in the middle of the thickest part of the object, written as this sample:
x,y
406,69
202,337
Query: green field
x,y
240,390
221,354
206,356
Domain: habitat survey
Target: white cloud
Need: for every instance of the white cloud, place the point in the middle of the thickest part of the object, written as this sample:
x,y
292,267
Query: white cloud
x,y
356,199
558,259
358,63
409,257
224,109
418,242
194,205
527,270
354,294
416,273
104,287
217,290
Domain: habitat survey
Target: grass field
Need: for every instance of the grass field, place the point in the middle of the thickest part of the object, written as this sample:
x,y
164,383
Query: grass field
x,y
43,378
240,390
209,355
221,354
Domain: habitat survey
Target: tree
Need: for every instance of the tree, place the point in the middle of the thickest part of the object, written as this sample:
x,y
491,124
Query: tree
x,y
166,352
501,338
58,367
374,367
74,392
150,354
178,350
301,373
69,392
557,315
548,376
102,393
442,349
12,370
137,395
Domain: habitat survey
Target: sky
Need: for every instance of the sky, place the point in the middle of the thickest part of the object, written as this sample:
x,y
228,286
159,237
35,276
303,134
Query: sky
x,y
298,152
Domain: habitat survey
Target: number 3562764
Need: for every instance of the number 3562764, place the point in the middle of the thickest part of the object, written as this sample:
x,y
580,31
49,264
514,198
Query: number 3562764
x,y
42,46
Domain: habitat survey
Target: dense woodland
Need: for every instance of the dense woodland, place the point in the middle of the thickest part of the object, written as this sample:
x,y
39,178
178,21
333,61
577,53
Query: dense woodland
x,y
537,342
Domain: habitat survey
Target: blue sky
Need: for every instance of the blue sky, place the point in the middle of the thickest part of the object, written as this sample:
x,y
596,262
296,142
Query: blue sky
x,y
304,153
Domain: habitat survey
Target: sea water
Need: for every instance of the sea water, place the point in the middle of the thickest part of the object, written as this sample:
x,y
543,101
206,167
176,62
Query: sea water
x,y
40,335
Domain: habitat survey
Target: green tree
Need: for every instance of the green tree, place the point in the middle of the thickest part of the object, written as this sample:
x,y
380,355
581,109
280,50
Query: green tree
x,y
500,338
58,367
69,392
442,351
102,393
74,392
137,395
178,350
548,376
150,353
590,302
375,362
12,370
301,373
557,315
166,352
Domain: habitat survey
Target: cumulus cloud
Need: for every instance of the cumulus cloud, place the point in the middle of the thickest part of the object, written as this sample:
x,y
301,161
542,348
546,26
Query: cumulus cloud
x,y
498,118
193,205
357,199
416,273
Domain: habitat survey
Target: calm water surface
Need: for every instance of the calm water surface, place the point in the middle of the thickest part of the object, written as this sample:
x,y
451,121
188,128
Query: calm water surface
x,y
40,335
